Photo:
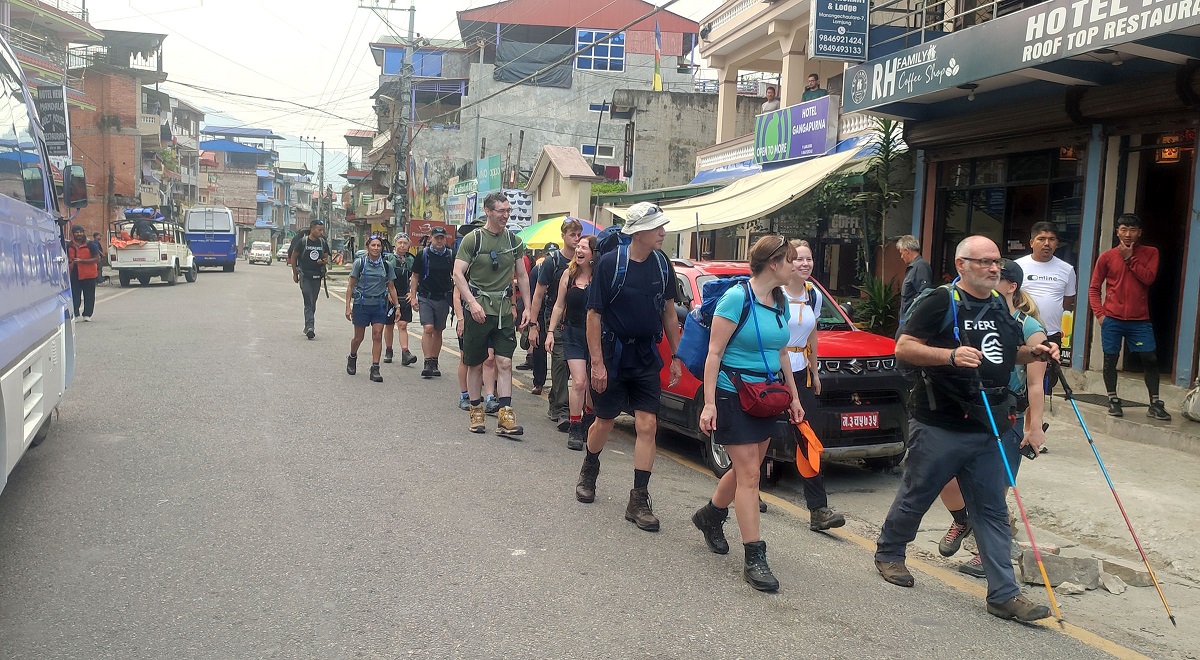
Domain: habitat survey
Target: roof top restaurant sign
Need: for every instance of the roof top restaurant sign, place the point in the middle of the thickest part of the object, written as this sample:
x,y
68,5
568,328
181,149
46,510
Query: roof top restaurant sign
x,y
1043,33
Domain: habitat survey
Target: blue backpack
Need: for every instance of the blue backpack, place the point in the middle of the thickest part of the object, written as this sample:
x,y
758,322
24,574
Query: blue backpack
x,y
697,328
611,238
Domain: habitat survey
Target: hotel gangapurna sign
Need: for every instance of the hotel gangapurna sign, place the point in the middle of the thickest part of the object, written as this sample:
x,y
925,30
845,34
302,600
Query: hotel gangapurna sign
x,y
797,131
1043,33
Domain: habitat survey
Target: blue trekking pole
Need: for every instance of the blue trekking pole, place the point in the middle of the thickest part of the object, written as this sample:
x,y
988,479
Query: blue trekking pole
x,y
1069,395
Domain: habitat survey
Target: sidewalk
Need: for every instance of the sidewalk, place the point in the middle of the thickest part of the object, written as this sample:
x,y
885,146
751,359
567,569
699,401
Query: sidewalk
x,y
1180,434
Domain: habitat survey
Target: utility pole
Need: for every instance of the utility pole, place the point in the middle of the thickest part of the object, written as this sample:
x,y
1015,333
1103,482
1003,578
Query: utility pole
x,y
401,125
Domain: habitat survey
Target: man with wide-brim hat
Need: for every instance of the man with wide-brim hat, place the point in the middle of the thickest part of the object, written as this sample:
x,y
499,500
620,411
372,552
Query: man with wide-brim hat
x,y
631,305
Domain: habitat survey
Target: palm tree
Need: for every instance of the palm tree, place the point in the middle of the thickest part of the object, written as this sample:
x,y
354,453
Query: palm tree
x,y
888,171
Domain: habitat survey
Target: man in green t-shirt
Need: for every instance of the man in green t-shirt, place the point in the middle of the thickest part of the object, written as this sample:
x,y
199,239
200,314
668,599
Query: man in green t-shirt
x,y
488,259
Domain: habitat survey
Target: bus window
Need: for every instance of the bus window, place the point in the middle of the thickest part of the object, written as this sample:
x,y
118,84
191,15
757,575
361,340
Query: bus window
x,y
18,147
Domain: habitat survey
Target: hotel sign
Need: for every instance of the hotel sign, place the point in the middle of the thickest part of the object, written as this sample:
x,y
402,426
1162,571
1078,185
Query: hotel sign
x,y
838,30
1046,32
797,131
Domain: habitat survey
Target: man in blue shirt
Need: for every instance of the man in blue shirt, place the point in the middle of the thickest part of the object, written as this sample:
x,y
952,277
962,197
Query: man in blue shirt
x,y
628,312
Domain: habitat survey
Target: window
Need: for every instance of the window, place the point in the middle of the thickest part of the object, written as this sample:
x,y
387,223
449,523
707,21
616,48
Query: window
x,y
21,172
606,150
598,107
427,64
607,56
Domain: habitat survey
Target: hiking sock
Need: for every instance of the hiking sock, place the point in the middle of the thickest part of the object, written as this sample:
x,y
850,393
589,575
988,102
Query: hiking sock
x,y
354,355
506,402
575,418
960,516
716,508
477,402
592,457
374,364
464,395
641,478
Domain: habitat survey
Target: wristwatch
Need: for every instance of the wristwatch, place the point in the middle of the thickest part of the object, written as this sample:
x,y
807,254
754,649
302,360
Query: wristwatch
x,y
675,356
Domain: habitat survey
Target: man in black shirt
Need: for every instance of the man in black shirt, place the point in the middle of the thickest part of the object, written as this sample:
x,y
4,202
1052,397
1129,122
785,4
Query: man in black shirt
x,y
431,290
631,303
308,255
544,297
918,276
961,338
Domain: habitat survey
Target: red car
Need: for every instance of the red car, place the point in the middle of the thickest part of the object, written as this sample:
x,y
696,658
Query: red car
x,y
862,413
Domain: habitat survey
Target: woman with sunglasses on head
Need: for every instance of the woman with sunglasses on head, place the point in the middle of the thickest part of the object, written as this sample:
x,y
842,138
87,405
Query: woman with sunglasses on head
x,y
570,309
400,317
804,301
368,293
741,356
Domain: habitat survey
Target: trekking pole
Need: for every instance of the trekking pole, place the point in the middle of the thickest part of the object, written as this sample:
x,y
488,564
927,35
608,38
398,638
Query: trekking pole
x,y
1012,483
1069,395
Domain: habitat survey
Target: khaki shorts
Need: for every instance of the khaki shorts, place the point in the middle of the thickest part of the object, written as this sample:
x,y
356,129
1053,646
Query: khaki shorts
x,y
478,337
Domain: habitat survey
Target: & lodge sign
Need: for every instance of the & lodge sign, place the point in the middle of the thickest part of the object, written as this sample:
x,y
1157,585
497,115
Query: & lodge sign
x,y
1043,33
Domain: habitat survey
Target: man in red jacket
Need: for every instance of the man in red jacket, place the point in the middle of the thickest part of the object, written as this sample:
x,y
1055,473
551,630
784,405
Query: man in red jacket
x,y
1126,273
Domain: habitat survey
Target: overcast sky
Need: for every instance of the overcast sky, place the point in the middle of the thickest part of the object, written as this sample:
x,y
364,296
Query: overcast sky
x,y
312,52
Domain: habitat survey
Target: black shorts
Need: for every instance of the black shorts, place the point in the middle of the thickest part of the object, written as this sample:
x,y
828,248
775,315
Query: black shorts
x,y
735,427
405,313
629,390
574,343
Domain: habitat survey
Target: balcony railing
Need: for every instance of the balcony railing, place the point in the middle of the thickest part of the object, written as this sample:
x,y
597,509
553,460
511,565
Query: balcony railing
x,y
732,12
737,150
712,86
917,21
76,9
82,57
37,44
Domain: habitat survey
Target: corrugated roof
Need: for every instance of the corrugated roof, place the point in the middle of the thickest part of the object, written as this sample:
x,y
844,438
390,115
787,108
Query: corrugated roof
x,y
360,132
241,132
582,13
231,147
567,160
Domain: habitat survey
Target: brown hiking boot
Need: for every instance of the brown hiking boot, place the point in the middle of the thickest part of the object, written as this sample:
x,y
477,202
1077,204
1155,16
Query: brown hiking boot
x,y
825,518
1019,608
895,572
585,490
507,426
478,420
638,510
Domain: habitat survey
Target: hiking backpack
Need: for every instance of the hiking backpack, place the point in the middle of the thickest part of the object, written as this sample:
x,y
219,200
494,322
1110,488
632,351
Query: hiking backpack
x,y
612,238
388,269
697,327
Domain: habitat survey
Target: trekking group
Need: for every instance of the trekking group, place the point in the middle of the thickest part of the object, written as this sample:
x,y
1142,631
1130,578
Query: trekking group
x,y
979,353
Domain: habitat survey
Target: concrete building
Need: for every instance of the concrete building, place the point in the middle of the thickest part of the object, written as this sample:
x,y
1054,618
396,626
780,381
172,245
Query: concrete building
x,y
185,140
561,184
109,138
240,172
298,196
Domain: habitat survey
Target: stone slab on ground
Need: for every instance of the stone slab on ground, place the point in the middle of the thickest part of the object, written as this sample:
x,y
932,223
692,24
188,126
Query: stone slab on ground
x,y
1112,583
1084,571
1134,575
1069,589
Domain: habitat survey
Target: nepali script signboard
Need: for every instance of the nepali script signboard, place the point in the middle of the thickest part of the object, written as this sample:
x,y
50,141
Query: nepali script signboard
x,y
1043,33
797,131
838,30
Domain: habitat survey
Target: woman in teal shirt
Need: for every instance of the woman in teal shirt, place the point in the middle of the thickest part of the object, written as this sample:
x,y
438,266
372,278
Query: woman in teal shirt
x,y
746,437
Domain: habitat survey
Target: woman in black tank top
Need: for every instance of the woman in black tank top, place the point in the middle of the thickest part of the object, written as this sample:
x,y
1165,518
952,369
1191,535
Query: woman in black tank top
x,y
571,310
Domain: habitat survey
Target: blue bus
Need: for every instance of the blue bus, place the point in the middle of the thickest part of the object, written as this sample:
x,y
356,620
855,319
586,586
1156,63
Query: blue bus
x,y
37,332
212,236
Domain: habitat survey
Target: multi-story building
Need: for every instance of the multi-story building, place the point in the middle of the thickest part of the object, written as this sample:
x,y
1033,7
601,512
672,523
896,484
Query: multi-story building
x,y
297,197
111,138
185,133
461,113
239,169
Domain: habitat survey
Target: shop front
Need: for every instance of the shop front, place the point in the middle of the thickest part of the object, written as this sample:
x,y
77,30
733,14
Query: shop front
x,y
1076,134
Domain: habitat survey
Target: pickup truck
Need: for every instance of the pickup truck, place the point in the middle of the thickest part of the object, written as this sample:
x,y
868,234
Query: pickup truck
x,y
165,254
260,253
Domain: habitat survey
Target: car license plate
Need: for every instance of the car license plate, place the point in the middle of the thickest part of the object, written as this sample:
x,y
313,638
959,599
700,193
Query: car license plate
x,y
859,421
139,258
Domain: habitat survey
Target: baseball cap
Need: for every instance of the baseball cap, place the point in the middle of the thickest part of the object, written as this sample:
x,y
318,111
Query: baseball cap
x,y
438,231
1011,271
643,216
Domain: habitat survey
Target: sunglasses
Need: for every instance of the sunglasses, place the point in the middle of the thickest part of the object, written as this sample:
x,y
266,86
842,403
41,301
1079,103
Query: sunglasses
x,y
402,237
495,260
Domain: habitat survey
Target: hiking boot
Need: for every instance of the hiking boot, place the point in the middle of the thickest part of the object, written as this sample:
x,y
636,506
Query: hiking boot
x,y
576,437
464,403
309,332
953,539
478,421
564,423
973,567
756,572
375,374
711,522
427,371
762,506
536,391
407,359
1158,410
638,510
1019,608
351,364
824,518
435,371
1114,408
387,356
507,425
525,366
585,489
491,405
895,572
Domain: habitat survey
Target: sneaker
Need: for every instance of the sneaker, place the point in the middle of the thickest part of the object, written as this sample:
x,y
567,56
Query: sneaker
x,y
408,359
308,332
478,421
464,403
375,376
952,541
491,405
352,364
824,518
427,371
640,510
88,319
1019,608
895,572
1157,409
973,567
1114,408
387,355
507,425
524,366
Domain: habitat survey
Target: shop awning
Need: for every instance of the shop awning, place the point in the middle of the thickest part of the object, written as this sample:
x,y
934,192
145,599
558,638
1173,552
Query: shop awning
x,y
753,196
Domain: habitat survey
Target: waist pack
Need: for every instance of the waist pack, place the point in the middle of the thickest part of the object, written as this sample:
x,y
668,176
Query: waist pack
x,y
766,399
1002,407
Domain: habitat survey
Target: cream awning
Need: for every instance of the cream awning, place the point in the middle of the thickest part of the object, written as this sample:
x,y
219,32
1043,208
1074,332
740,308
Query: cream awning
x,y
753,196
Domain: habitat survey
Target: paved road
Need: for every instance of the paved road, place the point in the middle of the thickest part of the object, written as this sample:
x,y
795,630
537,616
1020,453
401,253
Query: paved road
x,y
218,487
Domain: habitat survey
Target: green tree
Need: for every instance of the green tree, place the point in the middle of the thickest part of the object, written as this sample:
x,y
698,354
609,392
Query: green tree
x,y
829,198
888,172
